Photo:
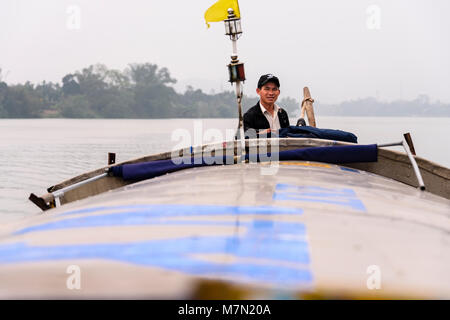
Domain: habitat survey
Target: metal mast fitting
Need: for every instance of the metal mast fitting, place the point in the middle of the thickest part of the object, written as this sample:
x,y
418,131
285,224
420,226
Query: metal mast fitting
x,y
236,71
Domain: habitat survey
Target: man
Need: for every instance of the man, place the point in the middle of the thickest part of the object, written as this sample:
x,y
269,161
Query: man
x,y
266,117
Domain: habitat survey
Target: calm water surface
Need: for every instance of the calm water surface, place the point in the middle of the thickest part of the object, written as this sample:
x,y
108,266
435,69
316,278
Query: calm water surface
x,y
38,153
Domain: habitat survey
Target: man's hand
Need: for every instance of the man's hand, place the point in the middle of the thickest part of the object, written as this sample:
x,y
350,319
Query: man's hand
x,y
265,131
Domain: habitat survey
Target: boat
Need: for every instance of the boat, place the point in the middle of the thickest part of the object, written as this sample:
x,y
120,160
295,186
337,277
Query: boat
x,y
278,218
236,231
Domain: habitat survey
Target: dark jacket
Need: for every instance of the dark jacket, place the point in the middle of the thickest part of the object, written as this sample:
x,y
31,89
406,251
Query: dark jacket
x,y
255,119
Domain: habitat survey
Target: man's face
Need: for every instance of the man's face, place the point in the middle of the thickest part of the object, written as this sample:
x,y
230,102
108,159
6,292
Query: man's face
x,y
268,93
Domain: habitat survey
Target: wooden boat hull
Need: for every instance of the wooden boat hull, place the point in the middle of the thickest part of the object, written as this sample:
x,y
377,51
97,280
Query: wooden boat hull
x,y
391,164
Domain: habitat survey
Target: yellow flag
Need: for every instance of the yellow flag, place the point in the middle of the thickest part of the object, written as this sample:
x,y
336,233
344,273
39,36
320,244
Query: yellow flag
x,y
219,11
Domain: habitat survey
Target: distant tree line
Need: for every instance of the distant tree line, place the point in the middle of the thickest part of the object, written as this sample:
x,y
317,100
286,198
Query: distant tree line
x,y
140,91
371,107
145,91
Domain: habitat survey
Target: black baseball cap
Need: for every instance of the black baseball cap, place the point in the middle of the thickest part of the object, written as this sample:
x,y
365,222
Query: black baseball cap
x,y
268,78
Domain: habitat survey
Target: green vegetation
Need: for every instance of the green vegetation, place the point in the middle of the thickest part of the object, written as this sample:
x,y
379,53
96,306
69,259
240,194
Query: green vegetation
x,y
371,107
140,91
144,91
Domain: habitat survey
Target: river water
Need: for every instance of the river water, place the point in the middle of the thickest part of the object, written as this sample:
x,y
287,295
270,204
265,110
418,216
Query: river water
x,y
38,153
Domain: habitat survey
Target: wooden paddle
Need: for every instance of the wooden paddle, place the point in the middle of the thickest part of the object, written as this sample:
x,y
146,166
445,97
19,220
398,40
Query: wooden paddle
x,y
307,106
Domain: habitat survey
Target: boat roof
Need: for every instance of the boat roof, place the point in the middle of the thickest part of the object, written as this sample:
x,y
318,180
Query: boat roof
x,y
294,227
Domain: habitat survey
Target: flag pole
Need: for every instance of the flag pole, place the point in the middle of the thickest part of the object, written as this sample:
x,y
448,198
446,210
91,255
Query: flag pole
x,y
236,72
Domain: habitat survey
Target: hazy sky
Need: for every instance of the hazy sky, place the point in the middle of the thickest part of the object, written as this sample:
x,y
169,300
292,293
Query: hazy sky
x,y
347,49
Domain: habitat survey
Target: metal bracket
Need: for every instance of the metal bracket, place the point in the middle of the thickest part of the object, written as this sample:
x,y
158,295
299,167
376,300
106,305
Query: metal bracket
x,y
39,202
111,158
